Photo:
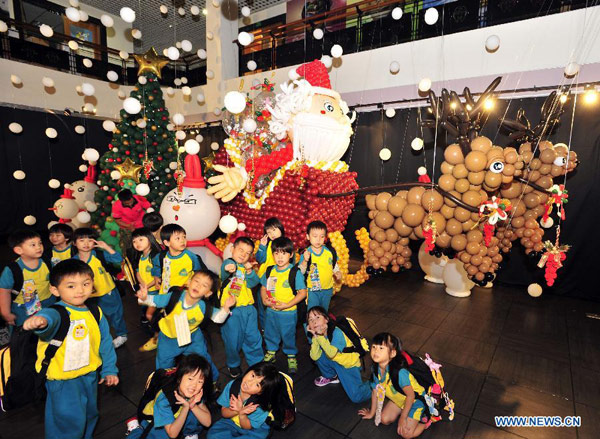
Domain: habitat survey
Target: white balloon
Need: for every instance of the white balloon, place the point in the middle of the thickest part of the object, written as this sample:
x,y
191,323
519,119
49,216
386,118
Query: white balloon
x,y
245,11
72,14
456,279
228,224
16,79
241,227
390,112
546,224
140,123
385,154
123,54
216,3
142,189
186,45
199,138
337,51
115,175
173,165
177,82
51,133
186,90
235,102
535,290
3,26
73,45
170,91
87,62
251,65
170,126
136,33
422,170
48,82
46,30
210,74
181,11
121,94
195,10
431,16
417,144
79,129
244,38
91,155
15,128
163,9
30,220
424,85
142,80
180,135
249,125
83,168
132,105
200,97
191,146
19,175
54,183
83,16
327,61
84,217
74,3
89,107
318,34
201,53
90,206
432,266
178,119
88,89
397,13
572,69
214,146
108,125
184,80
394,67
107,20
173,53
127,14
210,35
492,43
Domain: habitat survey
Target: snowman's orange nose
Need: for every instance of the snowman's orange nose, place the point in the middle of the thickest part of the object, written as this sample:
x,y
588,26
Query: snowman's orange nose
x,y
176,207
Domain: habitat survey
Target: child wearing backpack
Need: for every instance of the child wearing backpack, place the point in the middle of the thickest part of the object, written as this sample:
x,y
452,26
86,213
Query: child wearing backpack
x,y
74,344
264,256
153,221
391,379
174,402
253,402
184,311
105,292
319,263
60,236
335,354
282,289
24,287
146,248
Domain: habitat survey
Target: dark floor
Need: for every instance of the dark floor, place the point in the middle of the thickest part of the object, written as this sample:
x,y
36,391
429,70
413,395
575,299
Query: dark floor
x,y
503,353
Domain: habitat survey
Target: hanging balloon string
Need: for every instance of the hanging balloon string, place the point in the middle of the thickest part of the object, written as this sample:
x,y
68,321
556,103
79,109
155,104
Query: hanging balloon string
x,y
381,177
403,144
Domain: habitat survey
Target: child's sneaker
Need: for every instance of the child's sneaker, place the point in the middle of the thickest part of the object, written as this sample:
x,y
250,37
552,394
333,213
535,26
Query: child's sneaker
x,y
322,381
150,345
292,364
119,341
269,357
191,436
234,372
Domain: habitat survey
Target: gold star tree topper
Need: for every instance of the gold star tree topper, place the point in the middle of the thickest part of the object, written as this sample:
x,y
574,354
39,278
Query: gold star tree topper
x,y
150,62
129,170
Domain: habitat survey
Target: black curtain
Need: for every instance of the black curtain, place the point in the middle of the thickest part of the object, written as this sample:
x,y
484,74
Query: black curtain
x,y
580,230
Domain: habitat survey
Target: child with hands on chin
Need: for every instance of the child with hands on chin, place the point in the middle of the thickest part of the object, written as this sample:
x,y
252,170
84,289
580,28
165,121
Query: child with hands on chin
x,y
391,379
96,254
72,374
281,299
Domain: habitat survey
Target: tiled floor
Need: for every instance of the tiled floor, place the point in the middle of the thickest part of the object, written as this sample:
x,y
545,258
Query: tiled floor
x,y
503,353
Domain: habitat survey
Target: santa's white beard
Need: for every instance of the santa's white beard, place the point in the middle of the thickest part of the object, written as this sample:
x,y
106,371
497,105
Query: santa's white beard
x,y
319,138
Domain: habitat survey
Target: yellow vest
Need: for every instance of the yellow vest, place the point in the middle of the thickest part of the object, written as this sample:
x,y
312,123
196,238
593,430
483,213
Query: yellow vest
x,y
176,271
149,409
268,262
238,287
398,398
37,280
278,284
323,265
347,359
145,271
60,255
195,316
103,281
83,325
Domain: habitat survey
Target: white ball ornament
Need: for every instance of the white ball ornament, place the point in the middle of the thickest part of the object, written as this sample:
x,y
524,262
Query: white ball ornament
x,y
422,170
209,35
417,144
47,82
90,206
73,14
104,188
83,16
235,102
177,82
244,38
173,165
170,91
241,227
424,85
245,11
216,3
390,112
87,62
136,33
74,3
170,127
88,89
123,54
191,146
199,138
127,14
394,67
132,105
186,90
492,43
249,125
19,175
337,51
178,44
30,220
140,123
186,45
173,53
228,224
51,133
109,125
112,75
534,290
83,217
53,183
16,79
180,135
115,175
15,128
83,168
201,53
546,224
121,94
572,69
91,155
3,26
431,16
214,146
200,97
178,119
385,154
80,129
107,20
142,80
327,61
142,189
163,9
195,10
46,30
318,34
181,11
397,13
251,65
184,80
73,45
89,107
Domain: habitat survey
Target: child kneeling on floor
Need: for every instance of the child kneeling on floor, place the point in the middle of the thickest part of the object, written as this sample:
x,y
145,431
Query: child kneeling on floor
x,y
392,379
174,402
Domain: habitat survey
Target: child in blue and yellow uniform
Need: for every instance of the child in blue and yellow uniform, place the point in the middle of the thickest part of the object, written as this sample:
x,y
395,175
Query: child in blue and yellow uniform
x,y
60,236
72,375
174,267
327,349
240,331
281,299
246,403
146,248
17,302
264,256
392,380
192,303
105,292
322,269
180,405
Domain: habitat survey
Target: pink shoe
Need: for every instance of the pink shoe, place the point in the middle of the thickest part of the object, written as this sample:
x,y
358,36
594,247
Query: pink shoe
x,y
322,381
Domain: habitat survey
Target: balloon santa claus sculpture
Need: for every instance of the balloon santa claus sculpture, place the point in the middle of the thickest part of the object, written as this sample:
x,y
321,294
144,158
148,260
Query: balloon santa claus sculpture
x,y
281,164
77,201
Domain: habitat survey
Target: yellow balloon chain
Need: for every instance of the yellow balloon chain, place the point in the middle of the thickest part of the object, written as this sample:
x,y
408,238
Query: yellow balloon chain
x,y
339,244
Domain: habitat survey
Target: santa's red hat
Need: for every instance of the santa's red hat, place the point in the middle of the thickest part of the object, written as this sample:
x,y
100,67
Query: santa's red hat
x,y
193,172
316,74
91,174
68,193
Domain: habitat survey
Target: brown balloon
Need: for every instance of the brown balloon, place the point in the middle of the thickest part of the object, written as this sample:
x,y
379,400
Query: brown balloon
x,y
447,212
415,194
391,235
378,252
476,178
474,236
458,242
453,227
446,167
385,220
461,214
462,185
440,221
453,154
381,200
396,206
468,225
531,200
402,194
432,200
476,260
373,245
386,246
380,236
476,161
443,240
492,180
481,143
447,182
472,198
370,200
460,171
418,231
473,248
402,228
464,257
412,215
472,270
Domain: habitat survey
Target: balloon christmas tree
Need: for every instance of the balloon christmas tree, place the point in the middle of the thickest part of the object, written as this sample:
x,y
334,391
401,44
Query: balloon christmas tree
x,y
142,153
